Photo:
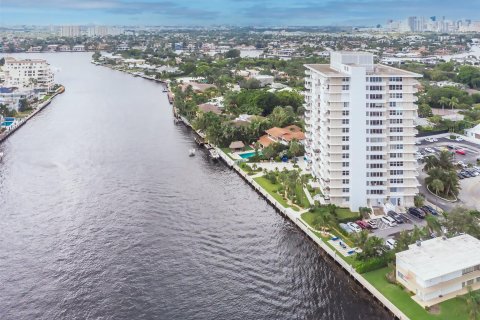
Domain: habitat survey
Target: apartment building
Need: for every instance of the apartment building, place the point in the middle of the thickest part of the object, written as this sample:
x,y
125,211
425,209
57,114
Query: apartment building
x,y
360,131
28,74
70,31
439,269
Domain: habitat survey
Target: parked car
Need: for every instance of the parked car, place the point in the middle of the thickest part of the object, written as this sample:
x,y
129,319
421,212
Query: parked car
x,y
373,223
398,218
473,172
458,139
430,210
450,146
466,174
391,243
363,224
460,176
416,212
429,139
389,221
355,227
462,164
345,227
429,150
461,152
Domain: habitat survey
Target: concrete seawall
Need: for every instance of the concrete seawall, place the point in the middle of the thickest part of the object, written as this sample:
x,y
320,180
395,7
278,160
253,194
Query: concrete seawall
x,y
39,108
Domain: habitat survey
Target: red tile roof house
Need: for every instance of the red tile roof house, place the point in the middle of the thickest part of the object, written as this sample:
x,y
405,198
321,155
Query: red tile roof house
x,y
197,87
208,107
282,135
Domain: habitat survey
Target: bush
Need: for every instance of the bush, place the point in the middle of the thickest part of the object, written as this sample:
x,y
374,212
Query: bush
x,y
372,264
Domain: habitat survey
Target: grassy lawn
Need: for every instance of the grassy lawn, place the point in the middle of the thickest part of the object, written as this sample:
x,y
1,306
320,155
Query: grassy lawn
x,y
272,190
345,213
302,196
227,152
451,309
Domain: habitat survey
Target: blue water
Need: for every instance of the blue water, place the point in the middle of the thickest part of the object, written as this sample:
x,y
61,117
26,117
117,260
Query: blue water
x,y
247,155
7,123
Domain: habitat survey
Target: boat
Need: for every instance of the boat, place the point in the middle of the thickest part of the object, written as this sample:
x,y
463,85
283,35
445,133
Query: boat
x,y
165,90
208,146
1,156
199,141
214,154
191,152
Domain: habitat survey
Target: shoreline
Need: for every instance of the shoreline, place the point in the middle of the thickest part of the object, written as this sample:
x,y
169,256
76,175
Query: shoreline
x,y
5,135
295,217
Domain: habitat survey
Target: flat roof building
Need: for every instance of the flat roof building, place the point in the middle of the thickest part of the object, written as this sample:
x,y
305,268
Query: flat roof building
x,y
360,130
439,269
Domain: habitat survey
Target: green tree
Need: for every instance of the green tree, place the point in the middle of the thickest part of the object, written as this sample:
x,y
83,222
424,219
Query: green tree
x,y
472,298
233,53
437,186
444,101
23,105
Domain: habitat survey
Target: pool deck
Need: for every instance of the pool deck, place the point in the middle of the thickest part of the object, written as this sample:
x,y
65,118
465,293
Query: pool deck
x,y
18,124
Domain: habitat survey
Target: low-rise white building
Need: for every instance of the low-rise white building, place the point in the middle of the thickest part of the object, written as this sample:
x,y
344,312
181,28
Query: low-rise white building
x,y
28,74
439,269
474,132
264,79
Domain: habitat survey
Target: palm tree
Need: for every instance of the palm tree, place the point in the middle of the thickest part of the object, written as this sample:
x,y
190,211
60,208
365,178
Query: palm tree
x,y
433,225
445,160
454,103
444,101
431,162
437,186
473,303
359,239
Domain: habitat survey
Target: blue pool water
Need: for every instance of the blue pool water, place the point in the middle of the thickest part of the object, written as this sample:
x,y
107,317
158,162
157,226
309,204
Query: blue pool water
x,y
7,123
247,155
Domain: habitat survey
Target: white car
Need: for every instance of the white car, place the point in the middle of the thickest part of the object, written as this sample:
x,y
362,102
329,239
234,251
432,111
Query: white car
x,y
458,139
391,243
355,227
429,139
429,150
389,221
462,164
434,140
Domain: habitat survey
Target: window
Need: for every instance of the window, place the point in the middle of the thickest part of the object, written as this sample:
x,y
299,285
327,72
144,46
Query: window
x,y
345,130
345,155
396,129
374,191
396,147
397,95
375,148
375,157
375,105
345,181
375,174
374,79
374,114
396,121
396,172
396,181
346,147
345,113
375,88
375,165
345,173
375,122
345,121
346,104
345,87
374,131
392,104
345,138
396,155
375,96
345,190
396,164
346,79
395,87
395,79
345,164
396,138
396,112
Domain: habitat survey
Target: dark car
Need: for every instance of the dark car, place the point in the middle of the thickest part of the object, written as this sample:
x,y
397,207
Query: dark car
x,y
450,146
466,174
460,176
430,210
416,212
398,218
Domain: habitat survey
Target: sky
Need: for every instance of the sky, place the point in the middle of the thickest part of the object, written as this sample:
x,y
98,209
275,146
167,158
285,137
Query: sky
x,y
231,12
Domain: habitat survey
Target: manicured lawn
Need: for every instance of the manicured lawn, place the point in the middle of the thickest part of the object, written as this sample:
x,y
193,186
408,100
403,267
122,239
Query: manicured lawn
x,y
345,213
272,190
227,152
301,195
450,309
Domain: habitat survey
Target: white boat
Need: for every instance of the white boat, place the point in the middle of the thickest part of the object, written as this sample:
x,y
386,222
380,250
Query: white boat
x,y
191,152
214,154
1,156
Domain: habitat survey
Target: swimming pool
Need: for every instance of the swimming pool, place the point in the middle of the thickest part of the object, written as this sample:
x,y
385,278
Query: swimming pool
x,y
7,123
247,155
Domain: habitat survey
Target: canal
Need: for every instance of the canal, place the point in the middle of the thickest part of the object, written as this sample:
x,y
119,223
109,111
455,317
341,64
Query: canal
x,y
104,216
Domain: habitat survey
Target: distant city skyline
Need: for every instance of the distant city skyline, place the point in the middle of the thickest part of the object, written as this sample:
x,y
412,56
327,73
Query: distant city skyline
x,y
233,12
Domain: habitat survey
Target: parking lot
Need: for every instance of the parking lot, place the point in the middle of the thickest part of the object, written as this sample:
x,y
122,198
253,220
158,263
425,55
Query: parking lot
x,y
384,231
470,186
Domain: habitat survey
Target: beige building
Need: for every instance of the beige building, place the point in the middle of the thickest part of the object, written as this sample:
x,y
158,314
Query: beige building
x,y
28,74
439,269
360,131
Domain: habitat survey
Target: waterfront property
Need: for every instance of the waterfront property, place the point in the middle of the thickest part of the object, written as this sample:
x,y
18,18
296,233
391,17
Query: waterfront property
x,y
281,135
439,269
360,130
28,74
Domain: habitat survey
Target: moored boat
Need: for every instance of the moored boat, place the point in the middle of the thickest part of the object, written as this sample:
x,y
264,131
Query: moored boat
x,y
191,152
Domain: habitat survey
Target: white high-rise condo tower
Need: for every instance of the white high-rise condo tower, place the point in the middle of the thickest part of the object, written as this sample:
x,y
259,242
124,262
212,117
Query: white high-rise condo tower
x,y
360,131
